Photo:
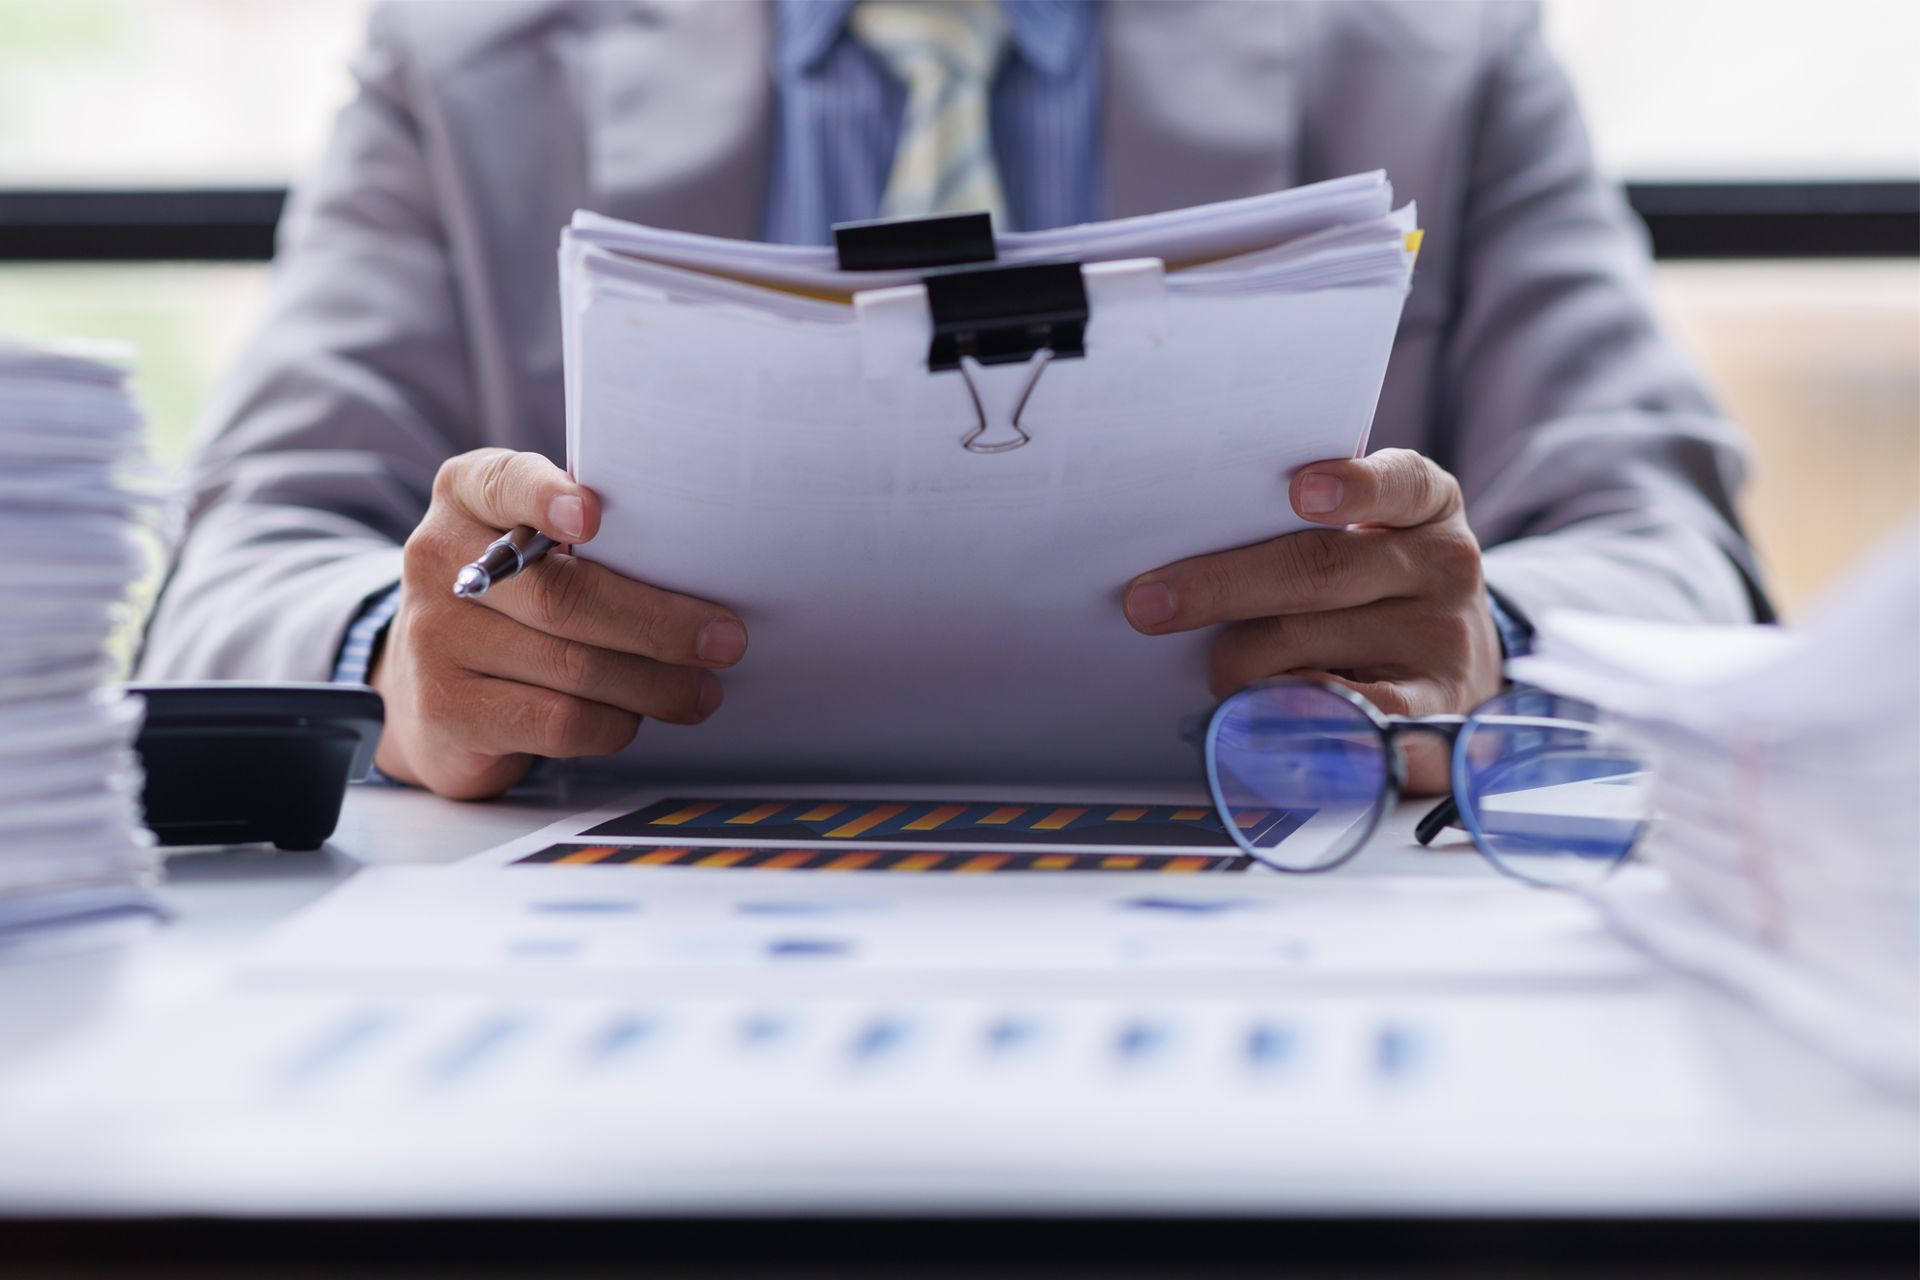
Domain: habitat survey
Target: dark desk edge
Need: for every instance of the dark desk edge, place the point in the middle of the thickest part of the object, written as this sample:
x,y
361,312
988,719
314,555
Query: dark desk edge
x,y
895,1245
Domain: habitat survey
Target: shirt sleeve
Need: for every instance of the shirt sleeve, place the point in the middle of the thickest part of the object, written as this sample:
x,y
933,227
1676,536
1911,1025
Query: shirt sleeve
x,y
1516,634
364,635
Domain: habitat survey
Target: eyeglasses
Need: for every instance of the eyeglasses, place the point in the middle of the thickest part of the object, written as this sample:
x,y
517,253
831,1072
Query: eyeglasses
x,y
1301,774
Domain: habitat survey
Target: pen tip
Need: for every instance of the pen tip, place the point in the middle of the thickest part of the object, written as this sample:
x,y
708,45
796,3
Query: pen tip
x,y
471,584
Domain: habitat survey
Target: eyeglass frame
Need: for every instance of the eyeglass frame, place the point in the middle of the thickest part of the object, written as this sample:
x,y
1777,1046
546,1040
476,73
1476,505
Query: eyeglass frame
x,y
1198,730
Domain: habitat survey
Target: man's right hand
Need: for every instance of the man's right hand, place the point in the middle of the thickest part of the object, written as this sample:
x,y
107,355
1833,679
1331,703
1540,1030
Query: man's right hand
x,y
561,660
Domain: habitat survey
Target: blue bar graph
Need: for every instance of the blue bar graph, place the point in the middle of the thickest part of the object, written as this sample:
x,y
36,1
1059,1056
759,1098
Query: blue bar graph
x,y
622,1036
1141,1040
338,1045
1010,1035
1272,1046
881,1038
763,1030
1400,1051
471,1050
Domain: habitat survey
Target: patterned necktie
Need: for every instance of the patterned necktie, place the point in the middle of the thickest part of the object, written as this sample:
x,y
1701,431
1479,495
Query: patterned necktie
x,y
945,52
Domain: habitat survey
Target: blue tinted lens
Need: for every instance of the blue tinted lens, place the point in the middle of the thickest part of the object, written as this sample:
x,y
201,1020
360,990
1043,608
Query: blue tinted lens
x,y
1546,790
1299,773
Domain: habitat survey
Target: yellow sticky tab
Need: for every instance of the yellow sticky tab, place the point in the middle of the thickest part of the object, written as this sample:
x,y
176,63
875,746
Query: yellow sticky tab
x,y
1414,237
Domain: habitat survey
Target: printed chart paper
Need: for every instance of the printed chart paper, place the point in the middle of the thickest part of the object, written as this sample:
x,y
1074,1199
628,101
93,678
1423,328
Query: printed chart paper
x,y
377,1101
569,928
1085,825
907,860
948,822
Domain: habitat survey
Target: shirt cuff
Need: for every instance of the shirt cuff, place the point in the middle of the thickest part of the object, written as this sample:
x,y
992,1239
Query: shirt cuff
x,y
364,636
1516,634
357,650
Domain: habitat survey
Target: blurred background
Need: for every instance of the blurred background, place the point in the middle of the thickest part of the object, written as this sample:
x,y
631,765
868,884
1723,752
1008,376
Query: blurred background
x,y
1772,145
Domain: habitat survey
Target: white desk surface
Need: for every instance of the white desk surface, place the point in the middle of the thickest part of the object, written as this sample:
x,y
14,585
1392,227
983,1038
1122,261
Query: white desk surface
x,y
1822,1144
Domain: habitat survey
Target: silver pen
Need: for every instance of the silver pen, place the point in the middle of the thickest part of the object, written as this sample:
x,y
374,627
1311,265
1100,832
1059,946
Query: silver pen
x,y
505,556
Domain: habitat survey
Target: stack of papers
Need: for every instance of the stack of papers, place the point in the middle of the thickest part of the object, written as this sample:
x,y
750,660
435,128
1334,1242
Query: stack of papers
x,y
72,847
764,431
1787,815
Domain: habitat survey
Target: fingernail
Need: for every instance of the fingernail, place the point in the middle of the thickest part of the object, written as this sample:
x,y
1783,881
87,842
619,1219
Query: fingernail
x,y
1149,604
722,642
710,694
1319,493
567,516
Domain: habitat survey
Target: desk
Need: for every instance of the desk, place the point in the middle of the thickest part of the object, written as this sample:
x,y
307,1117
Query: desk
x,y
1830,1175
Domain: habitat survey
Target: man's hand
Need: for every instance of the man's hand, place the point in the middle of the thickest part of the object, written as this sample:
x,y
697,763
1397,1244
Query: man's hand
x,y
562,660
1393,605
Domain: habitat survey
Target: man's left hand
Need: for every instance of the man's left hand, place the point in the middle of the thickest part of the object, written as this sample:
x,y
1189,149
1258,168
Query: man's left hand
x,y
1391,603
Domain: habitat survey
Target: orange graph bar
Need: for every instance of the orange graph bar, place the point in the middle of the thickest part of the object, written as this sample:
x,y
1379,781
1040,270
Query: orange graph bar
x,y
866,822
791,858
724,858
1189,815
985,862
820,813
917,862
1053,862
1118,863
687,814
1126,815
1249,817
759,813
1000,817
939,817
660,857
1184,864
1057,819
849,861
593,853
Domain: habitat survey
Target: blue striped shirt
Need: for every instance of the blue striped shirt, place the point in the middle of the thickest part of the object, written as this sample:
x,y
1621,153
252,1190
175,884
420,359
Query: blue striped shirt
x,y
840,111
355,658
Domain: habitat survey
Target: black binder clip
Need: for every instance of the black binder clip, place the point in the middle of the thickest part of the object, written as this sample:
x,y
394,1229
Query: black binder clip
x,y
1030,315
985,315
913,244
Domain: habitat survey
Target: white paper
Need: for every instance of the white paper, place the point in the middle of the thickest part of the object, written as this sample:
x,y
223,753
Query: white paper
x,y
557,929
916,610
1200,234
506,1033
72,847
498,1037
1098,1102
1786,812
574,928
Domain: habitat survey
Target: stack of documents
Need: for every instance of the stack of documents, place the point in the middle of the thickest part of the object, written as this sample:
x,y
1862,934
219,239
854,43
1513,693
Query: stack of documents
x,y
1786,800
765,430
71,842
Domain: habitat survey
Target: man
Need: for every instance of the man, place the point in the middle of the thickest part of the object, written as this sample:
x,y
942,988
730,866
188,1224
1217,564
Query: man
x,y
402,402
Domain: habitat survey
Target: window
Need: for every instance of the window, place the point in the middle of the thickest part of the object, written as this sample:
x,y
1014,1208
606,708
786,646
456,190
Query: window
x,y
169,93
157,94
1732,90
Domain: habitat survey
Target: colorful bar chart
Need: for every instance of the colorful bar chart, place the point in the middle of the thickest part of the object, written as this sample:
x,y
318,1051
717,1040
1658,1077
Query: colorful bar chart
x,y
957,822
895,861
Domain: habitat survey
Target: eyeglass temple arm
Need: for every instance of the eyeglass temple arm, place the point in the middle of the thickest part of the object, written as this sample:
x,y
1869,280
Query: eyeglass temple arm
x,y
1437,819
